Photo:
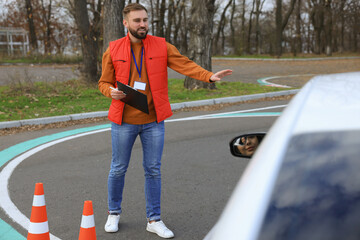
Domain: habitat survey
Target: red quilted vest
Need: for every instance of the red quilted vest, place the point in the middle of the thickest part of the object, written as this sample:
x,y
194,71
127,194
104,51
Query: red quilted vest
x,y
155,57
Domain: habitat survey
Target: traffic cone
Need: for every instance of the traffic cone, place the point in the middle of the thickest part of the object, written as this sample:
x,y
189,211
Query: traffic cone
x,y
38,228
87,228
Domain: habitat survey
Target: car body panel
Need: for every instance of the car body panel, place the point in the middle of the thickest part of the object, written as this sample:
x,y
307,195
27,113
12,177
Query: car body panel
x,y
325,103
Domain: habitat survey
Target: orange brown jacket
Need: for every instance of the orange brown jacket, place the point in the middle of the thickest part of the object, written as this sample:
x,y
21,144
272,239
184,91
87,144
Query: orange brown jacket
x,y
118,65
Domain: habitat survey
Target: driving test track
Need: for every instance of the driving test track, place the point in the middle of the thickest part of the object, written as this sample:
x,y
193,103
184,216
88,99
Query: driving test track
x,y
16,154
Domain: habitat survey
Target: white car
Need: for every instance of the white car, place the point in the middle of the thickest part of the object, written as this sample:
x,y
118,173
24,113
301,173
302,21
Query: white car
x,y
303,182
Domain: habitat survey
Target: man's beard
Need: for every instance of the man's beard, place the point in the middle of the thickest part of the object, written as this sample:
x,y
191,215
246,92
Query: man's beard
x,y
138,36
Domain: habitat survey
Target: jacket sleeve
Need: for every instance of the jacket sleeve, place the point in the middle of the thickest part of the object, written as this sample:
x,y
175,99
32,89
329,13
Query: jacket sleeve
x,y
185,66
107,78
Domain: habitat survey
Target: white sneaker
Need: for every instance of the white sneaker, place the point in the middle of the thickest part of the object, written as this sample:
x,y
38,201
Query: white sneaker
x,y
112,223
160,229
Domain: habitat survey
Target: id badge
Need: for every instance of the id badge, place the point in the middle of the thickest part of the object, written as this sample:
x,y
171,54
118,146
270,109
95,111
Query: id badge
x,y
139,85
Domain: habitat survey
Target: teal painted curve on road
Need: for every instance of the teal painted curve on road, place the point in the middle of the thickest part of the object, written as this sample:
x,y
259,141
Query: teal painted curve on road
x,y
6,231
9,233
13,151
262,82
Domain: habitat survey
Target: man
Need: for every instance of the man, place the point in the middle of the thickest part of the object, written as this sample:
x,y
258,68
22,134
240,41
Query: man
x,y
141,61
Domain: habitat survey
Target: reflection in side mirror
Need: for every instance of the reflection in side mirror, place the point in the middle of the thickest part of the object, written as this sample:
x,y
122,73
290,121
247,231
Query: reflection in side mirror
x,y
246,145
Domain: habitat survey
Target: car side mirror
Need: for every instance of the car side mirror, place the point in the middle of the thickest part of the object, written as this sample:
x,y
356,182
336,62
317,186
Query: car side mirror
x,y
246,145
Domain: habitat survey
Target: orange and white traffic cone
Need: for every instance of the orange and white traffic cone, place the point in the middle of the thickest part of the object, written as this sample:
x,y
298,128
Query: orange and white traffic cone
x,y
87,228
39,227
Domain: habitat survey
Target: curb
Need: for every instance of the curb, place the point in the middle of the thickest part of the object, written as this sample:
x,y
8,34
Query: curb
x,y
174,106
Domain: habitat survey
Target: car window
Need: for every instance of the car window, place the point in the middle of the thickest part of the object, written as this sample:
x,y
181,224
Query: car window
x,y
317,192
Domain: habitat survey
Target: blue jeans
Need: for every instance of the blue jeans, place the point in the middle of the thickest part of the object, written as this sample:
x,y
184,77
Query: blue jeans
x,y
123,137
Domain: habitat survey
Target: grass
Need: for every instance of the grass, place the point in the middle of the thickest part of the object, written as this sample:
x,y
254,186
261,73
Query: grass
x,y
27,100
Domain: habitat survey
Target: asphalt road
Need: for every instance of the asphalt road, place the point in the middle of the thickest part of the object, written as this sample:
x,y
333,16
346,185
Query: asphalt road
x,y
199,174
198,171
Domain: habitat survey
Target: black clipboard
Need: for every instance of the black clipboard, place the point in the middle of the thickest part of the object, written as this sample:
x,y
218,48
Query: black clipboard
x,y
133,97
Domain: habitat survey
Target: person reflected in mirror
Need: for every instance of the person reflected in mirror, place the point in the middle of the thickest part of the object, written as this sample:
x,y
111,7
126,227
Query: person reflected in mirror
x,y
247,145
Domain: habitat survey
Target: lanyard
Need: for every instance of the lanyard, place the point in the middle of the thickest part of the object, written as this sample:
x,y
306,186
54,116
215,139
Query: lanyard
x,y
137,68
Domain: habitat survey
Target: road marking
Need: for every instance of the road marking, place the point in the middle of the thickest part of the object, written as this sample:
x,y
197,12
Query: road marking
x,y
19,152
29,148
9,233
241,113
264,81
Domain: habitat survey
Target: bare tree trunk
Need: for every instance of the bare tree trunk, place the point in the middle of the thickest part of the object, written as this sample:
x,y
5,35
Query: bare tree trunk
x,y
47,21
220,28
223,38
308,48
162,19
278,32
355,29
201,25
281,24
32,31
259,6
298,43
158,18
180,29
113,27
184,33
328,27
257,27
232,28
248,44
317,19
153,22
96,23
177,21
171,11
342,27
88,41
243,28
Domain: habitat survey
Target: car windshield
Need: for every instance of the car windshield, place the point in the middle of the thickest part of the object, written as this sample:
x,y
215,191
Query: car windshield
x,y
317,192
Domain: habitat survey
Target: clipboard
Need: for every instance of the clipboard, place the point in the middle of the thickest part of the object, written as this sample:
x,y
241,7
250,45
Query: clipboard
x,y
133,97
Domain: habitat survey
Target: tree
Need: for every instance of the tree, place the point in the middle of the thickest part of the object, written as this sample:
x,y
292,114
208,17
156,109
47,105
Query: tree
x,y
113,27
159,18
201,25
354,9
342,27
232,28
259,6
88,41
317,26
171,11
248,44
298,44
328,27
281,23
46,18
184,29
220,29
317,19
179,7
30,20
243,27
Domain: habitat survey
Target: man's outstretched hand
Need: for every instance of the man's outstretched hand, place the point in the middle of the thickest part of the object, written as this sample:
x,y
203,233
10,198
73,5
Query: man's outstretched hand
x,y
219,75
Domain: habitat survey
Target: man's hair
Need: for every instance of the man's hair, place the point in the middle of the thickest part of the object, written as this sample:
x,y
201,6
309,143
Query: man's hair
x,y
133,7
